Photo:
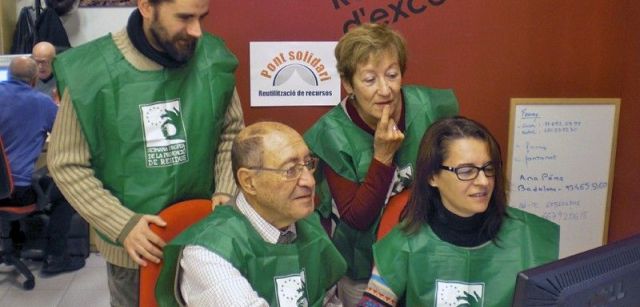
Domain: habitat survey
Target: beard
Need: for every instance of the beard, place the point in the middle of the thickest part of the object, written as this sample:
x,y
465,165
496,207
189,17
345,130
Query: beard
x,y
180,47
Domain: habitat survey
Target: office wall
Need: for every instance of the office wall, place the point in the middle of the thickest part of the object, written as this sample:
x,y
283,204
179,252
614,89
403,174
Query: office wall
x,y
7,25
86,24
625,212
487,51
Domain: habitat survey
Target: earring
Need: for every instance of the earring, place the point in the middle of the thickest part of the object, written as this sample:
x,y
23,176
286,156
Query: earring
x,y
351,97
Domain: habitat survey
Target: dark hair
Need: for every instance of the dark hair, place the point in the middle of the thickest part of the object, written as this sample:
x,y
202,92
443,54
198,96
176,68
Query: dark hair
x,y
61,7
246,152
433,151
156,2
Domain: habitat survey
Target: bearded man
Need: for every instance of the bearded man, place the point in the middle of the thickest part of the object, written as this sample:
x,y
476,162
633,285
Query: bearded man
x,y
147,118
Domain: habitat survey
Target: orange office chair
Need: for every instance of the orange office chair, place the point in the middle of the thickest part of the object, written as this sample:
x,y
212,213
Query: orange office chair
x,y
12,213
178,217
391,214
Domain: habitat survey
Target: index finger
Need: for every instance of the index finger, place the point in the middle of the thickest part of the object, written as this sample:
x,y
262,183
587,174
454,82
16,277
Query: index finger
x,y
384,119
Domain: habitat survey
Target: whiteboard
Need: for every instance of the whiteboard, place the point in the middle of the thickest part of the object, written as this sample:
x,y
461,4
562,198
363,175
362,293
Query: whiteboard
x,y
560,165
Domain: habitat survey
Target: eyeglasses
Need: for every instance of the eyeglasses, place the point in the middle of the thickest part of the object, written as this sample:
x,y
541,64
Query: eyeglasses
x,y
294,172
42,62
470,172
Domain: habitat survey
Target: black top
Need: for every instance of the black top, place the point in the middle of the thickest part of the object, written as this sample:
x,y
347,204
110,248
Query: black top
x,y
140,41
457,230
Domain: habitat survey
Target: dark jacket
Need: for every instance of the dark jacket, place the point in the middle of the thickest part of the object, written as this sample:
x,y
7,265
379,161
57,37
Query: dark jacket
x,y
24,36
49,28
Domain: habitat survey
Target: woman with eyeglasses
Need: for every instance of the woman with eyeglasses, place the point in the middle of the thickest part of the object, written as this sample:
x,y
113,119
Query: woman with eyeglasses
x,y
458,243
368,143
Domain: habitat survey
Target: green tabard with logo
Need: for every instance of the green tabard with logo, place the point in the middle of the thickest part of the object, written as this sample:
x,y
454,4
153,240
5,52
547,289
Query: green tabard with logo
x,y
280,273
427,271
348,150
153,135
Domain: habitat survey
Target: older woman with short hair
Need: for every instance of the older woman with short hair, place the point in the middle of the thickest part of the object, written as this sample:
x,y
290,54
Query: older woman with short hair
x,y
368,143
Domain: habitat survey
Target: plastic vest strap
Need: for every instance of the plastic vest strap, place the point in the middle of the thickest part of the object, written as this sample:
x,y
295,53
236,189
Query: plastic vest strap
x,y
230,235
348,150
426,270
152,135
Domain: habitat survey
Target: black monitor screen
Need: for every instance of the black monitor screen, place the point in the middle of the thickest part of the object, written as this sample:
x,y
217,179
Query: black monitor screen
x,y
605,276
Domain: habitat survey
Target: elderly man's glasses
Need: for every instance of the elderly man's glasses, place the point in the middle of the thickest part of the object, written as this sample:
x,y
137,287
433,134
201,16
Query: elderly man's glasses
x,y
470,172
42,62
294,172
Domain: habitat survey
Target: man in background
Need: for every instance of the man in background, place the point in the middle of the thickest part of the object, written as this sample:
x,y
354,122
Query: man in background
x,y
26,118
268,248
43,53
147,118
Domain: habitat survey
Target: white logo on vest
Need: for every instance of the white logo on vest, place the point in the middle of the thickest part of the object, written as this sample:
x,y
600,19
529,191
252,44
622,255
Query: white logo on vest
x,y
402,178
291,290
164,134
458,293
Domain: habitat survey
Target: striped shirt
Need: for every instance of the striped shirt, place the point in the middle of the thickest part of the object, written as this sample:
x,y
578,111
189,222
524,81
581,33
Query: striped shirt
x,y
210,280
69,162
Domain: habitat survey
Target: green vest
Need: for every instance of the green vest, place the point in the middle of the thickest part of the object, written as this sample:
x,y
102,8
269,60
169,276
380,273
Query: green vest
x,y
280,273
348,150
427,271
153,135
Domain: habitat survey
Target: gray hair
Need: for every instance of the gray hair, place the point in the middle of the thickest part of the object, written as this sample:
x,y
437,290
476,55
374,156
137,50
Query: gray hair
x,y
23,68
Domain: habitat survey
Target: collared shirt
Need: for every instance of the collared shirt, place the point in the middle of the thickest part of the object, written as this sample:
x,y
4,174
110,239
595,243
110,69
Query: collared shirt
x,y
210,280
268,232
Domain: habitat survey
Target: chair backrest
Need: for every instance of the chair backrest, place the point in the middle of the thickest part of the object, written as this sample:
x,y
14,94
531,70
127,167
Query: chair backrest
x,y
6,183
391,214
6,188
178,217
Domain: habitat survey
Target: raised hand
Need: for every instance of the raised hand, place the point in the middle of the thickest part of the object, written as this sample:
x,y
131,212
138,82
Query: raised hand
x,y
387,138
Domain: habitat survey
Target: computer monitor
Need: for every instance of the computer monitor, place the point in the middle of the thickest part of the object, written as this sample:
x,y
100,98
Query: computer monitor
x,y
5,60
605,276
4,73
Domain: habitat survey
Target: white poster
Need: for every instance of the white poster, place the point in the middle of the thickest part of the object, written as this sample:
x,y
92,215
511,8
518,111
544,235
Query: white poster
x,y
293,74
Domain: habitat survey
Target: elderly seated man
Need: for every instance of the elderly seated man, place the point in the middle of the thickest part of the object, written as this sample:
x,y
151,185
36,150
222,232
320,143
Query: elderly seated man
x,y
266,248
44,53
